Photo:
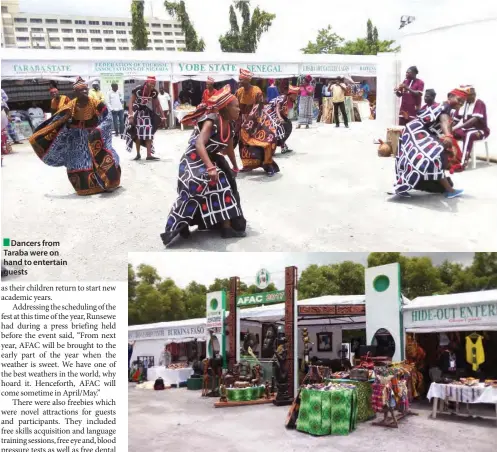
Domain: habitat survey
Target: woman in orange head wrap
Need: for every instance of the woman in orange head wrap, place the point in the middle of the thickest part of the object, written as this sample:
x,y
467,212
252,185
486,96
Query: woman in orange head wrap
x,y
207,191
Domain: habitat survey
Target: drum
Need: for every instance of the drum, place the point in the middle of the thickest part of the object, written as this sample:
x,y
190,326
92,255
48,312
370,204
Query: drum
x,y
393,136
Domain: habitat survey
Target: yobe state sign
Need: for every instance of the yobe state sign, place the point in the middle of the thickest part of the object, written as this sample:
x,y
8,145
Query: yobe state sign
x,y
452,316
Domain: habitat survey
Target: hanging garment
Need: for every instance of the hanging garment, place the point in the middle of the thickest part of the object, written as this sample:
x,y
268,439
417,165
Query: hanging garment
x,y
474,352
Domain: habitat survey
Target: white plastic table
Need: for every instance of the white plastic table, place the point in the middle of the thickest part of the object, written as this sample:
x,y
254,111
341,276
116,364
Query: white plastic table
x,y
170,376
462,394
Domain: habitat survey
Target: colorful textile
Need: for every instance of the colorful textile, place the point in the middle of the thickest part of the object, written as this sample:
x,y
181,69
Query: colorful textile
x,y
81,140
146,119
6,147
325,412
247,100
262,132
79,84
245,75
305,110
57,103
410,102
378,400
365,410
199,202
421,154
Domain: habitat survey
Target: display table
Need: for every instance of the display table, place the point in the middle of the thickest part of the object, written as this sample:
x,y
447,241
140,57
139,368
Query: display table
x,y
365,410
245,394
461,394
170,376
331,412
180,114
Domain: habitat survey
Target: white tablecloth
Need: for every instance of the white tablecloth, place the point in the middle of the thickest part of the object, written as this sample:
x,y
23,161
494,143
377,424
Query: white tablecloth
x,y
464,394
170,376
364,109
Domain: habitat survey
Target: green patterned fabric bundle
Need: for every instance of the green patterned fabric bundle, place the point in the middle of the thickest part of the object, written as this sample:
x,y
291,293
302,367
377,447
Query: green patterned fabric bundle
x,y
244,394
328,412
365,410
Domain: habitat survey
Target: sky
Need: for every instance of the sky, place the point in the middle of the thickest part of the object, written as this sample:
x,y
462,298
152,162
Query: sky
x,y
291,29
183,268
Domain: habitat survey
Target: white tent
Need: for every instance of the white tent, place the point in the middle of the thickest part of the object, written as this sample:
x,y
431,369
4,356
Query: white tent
x,y
450,47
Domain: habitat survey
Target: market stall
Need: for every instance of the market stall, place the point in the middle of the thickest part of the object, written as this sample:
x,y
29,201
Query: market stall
x,y
171,346
454,338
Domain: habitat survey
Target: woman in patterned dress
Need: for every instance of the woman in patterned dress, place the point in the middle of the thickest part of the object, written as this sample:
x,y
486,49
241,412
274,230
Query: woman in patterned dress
x,y
263,130
248,96
144,118
207,191
79,137
306,102
426,150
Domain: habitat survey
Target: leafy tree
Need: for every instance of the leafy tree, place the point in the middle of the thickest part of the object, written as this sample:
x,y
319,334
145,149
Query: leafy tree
x,y
329,42
148,274
326,42
132,283
371,45
346,278
245,39
178,11
195,300
139,33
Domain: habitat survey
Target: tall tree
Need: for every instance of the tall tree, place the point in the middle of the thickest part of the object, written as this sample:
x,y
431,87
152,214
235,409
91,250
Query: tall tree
x,y
178,11
329,42
245,39
132,283
139,33
326,42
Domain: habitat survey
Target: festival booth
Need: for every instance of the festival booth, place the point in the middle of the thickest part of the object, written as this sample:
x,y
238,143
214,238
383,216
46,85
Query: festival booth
x,y
455,338
167,349
354,69
31,69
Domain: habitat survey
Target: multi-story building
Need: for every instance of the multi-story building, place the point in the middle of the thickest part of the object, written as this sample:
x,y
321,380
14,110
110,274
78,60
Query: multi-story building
x,y
52,31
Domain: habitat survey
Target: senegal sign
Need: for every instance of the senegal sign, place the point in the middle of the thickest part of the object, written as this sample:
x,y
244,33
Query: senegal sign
x,y
278,296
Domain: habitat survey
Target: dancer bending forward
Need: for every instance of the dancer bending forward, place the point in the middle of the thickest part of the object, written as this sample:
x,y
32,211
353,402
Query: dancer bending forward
x,y
207,191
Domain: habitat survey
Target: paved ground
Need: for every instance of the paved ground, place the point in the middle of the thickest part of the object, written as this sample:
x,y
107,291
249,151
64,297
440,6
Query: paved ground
x,y
330,196
178,419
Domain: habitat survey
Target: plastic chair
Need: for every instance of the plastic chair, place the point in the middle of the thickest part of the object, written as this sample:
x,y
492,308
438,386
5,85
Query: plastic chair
x,y
473,154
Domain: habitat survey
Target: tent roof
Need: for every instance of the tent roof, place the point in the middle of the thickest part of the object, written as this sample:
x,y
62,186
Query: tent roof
x,y
177,323
51,55
442,16
484,296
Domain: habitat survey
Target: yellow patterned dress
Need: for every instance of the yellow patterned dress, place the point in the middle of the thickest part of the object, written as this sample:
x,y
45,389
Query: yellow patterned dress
x,y
80,138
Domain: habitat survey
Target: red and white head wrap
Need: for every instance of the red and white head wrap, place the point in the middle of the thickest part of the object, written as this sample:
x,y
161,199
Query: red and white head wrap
x,y
460,92
246,75
210,81
151,78
80,84
215,103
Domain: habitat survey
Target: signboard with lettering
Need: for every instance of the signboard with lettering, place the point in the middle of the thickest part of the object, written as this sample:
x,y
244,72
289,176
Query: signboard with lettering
x,y
197,331
335,69
40,68
277,296
107,80
332,310
156,68
452,316
233,69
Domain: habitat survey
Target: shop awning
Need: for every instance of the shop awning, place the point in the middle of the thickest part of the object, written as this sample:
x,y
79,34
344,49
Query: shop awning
x,y
446,329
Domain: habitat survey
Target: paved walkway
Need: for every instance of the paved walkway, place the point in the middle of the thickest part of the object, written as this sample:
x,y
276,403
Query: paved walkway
x,y
330,196
178,419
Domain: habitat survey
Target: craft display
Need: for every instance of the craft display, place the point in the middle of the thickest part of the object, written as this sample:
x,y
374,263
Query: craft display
x,y
365,410
181,365
393,137
475,354
391,395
